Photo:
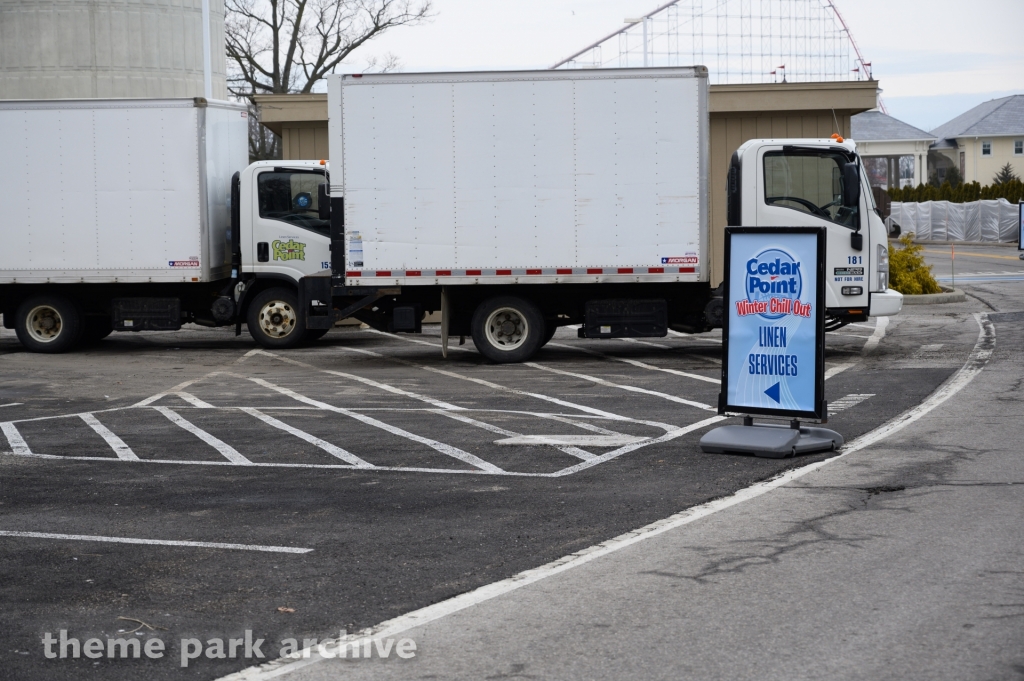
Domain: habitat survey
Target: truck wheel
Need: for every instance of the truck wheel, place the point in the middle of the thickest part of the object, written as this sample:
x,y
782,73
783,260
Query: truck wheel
x,y
48,324
274,319
507,329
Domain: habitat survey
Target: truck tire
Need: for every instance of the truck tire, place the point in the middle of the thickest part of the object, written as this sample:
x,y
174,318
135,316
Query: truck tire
x,y
549,332
315,334
95,329
49,324
274,319
507,329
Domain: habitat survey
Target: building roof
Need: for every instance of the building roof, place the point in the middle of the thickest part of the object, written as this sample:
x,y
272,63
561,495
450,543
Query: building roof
x,y
1003,116
875,126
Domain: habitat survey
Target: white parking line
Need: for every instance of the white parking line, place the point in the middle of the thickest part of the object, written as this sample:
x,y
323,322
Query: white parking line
x,y
495,386
589,410
568,448
579,424
311,439
14,438
156,542
229,452
876,336
193,400
601,381
416,340
636,363
365,381
449,450
445,407
417,618
123,451
838,369
671,435
255,464
713,360
583,440
176,389
700,337
851,400
10,404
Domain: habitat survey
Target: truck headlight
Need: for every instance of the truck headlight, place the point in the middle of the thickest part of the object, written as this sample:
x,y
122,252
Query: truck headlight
x,y
882,251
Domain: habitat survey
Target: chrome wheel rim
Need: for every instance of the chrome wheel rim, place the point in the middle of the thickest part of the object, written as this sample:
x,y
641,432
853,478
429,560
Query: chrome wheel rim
x,y
44,323
506,329
277,319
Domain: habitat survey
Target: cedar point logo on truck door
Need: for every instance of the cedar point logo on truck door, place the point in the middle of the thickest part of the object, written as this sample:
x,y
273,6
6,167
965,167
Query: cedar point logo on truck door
x,y
773,284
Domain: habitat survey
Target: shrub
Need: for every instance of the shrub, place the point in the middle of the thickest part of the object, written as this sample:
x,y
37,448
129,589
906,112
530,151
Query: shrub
x,y
908,272
965,192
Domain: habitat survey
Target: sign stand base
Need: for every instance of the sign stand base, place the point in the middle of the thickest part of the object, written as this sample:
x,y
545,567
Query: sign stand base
x,y
774,441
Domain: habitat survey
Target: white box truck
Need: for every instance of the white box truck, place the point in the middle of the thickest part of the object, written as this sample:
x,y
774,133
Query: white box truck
x,y
511,202
114,214
125,215
517,202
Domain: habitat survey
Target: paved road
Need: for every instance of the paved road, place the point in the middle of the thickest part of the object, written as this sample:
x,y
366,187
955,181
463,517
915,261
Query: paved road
x,y
898,561
361,478
970,266
901,561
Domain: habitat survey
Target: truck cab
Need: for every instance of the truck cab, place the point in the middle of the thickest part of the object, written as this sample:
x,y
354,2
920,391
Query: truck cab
x,y
281,233
807,182
286,237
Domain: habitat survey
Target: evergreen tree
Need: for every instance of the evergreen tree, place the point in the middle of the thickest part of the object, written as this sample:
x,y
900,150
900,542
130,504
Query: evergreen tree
x,y
1005,175
953,177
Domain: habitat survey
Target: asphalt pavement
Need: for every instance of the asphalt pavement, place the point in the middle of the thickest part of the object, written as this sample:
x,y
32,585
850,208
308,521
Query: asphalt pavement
x,y
898,561
203,487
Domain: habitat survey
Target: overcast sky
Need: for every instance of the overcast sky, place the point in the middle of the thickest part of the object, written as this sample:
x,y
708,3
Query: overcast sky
x,y
934,59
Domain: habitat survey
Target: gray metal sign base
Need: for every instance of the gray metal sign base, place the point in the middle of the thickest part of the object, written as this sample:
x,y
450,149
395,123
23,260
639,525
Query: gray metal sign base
x,y
774,441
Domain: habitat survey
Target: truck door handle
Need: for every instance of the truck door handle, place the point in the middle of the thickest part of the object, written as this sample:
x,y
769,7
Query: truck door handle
x,y
263,251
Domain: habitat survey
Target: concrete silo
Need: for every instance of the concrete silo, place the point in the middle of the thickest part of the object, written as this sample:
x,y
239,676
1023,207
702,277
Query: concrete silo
x,y
108,48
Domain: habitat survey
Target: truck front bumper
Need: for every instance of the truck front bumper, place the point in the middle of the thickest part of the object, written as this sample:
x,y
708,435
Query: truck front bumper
x,y
885,303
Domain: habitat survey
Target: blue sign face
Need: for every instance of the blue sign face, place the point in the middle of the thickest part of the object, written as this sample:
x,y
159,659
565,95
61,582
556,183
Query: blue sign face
x,y
772,310
1020,227
773,273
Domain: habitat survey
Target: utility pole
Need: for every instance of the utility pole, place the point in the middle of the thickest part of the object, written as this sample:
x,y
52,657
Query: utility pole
x,y
645,42
207,57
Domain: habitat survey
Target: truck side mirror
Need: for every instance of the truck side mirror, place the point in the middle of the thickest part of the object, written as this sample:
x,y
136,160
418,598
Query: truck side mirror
x,y
851,185
323,202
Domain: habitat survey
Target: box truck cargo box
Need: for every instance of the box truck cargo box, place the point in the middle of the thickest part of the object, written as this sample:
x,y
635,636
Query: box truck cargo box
x,y
118,190
522,177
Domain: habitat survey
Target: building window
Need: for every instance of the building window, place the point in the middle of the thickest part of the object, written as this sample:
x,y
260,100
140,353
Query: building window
x,y
986,148
1018,147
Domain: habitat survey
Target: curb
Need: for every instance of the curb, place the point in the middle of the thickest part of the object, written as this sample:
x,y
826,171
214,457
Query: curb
x,y
949,296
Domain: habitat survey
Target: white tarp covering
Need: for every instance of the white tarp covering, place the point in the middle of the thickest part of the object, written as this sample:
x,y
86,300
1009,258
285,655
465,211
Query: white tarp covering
x,y
945,221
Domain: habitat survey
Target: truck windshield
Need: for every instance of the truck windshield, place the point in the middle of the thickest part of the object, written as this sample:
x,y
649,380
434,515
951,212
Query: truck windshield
x,y
291,196
809,182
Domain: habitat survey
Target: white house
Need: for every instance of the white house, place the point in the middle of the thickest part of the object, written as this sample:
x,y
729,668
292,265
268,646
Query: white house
x,y
882,140
982,140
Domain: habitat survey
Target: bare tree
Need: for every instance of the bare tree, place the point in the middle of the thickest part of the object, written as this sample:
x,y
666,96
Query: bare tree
x,y
281,46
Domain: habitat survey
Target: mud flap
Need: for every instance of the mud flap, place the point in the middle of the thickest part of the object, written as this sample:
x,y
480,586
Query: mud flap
x,y
444,322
